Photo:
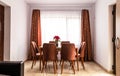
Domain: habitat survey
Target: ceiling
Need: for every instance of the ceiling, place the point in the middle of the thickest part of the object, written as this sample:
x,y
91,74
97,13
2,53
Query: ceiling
x,y
60,2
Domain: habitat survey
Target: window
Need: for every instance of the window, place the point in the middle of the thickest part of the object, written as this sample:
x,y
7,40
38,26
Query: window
x,y
65,24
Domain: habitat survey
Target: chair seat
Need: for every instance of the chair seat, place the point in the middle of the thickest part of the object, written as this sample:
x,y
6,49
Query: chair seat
x,y
38,54
77,55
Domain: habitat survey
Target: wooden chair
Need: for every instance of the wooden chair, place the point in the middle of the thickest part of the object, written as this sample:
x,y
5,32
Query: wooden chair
x,y
68,53
49,54
36,53
63,42
81,54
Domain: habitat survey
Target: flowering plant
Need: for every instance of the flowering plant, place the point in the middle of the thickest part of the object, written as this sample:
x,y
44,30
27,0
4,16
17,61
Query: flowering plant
x,y
56,38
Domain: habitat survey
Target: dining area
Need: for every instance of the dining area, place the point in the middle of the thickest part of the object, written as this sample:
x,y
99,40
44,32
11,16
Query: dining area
x,y
55,48
58,56
62,60
61,49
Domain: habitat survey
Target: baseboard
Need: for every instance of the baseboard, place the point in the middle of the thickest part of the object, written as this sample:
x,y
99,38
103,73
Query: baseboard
x,y
111,72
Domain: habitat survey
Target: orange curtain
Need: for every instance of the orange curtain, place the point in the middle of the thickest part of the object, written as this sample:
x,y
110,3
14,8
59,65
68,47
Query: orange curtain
x,y
86,34
35,28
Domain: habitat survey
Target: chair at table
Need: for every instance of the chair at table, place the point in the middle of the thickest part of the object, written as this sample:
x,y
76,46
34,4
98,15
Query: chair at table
x,y
49,54
81,53
36,53
63,42
68,53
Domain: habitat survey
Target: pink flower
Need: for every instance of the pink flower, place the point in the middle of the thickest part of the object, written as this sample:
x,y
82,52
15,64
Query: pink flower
x,y
56,38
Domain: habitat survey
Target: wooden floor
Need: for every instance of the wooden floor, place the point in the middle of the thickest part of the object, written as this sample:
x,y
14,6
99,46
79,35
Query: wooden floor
x,y
92,69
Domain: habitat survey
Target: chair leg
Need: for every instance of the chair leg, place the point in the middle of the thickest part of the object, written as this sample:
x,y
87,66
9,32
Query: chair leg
x,y
41,62
73,67
44,63
62,66
40,65
82,62
54,65
77,63
60,62
33,63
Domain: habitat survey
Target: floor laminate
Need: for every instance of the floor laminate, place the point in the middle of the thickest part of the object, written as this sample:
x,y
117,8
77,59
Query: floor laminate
x,y
91,69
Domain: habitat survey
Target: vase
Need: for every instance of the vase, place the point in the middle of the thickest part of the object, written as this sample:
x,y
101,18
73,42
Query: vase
x,y
56,42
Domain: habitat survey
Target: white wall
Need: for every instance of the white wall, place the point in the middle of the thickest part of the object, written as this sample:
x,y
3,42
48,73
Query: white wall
x,y
18,30
102,34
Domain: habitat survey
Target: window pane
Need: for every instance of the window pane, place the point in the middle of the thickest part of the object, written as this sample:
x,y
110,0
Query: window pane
x,y
65,24
51,27
73,30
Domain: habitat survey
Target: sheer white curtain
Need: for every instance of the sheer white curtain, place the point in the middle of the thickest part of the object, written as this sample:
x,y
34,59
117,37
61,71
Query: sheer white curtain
x,y
65,24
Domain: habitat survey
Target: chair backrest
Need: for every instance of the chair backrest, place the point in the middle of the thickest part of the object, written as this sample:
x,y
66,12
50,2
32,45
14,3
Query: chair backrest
x,y
68,51
83,46
49,51
35,48
63,42
51,41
